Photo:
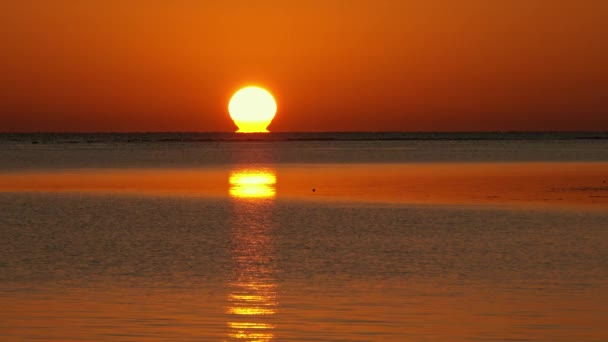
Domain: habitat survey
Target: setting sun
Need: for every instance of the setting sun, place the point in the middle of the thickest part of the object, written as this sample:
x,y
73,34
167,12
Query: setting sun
x,y
252,109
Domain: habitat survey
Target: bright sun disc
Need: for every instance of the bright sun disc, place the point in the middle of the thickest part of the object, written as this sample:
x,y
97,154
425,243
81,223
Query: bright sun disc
x,y
252,109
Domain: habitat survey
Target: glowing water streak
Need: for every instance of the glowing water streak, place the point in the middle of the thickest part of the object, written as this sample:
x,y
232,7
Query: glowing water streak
x,y
251,183
252,303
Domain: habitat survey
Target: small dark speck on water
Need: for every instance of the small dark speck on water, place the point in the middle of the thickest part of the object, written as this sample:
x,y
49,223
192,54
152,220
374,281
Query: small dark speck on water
x,y
313,189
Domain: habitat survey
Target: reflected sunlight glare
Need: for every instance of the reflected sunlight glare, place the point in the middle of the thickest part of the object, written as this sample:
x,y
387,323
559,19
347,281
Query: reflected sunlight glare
x,y
252,183
249,307
252,305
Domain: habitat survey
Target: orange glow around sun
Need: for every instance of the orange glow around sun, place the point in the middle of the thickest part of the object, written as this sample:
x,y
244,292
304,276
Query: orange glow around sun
x,y
252,109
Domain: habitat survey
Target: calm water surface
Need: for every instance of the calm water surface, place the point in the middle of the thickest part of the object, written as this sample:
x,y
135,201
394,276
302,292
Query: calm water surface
x,y
250,264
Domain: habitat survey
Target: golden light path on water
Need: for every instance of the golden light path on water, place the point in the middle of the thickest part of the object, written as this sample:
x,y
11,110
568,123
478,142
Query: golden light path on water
x,y
252,301
252,183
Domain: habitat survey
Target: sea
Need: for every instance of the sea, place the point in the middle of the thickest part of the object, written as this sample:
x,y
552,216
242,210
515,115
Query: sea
x,y
353,236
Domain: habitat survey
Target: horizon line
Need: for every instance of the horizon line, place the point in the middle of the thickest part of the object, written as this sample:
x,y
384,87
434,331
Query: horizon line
x,y
311,132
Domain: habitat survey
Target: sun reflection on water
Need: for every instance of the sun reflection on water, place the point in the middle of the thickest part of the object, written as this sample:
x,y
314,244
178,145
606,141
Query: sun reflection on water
x,y
252,183
252,302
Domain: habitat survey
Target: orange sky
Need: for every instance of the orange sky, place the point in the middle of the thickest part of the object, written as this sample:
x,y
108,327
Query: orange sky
x,y
417,65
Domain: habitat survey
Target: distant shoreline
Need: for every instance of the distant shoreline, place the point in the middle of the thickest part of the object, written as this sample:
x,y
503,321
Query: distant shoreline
x,y
158,137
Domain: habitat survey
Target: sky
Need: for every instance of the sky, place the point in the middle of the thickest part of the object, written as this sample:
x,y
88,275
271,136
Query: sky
x,y
333,65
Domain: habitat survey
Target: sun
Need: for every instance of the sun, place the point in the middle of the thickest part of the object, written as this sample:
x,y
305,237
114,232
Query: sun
x,y
252,109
